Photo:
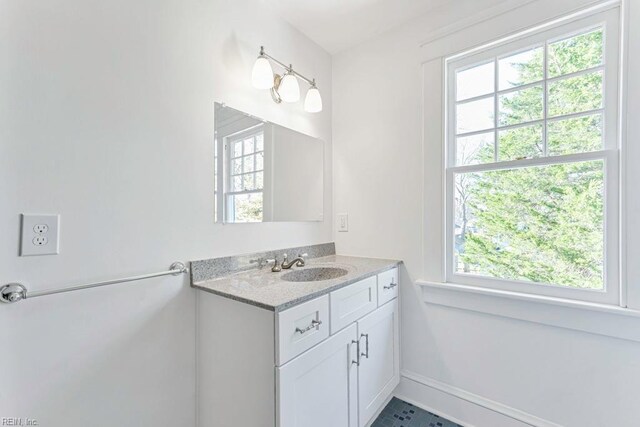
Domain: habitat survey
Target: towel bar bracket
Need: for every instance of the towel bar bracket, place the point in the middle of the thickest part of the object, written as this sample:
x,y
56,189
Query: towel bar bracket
x,y
13,292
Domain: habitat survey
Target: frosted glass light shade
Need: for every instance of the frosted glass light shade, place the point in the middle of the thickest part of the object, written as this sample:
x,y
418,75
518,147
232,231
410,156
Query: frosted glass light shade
x,y
289,89
313,101
262,74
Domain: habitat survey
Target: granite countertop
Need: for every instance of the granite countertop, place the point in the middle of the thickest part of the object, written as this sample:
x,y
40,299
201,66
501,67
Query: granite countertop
x,y
266,289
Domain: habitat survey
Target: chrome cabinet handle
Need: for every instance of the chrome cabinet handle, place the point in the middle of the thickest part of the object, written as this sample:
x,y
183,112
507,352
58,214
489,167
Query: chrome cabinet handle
x,y
357,361
314,324
391,286
366,354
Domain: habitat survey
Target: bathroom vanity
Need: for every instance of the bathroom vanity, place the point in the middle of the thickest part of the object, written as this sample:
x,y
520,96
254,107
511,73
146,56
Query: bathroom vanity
x,y
313,346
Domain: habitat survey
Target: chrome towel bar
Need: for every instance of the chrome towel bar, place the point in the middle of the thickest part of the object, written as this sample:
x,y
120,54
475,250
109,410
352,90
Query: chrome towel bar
x,y
14,292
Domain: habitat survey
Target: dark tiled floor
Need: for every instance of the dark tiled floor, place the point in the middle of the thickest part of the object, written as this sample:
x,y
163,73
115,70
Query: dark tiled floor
x,y
399,413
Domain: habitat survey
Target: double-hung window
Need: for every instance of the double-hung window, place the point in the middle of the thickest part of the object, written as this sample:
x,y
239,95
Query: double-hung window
x,y
532,163
245,178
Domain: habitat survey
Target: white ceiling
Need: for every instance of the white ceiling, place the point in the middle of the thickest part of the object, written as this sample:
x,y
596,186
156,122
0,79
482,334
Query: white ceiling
x,y
340,24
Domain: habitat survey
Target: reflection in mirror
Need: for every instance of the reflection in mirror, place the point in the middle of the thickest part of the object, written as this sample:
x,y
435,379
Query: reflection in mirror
x,y
265,172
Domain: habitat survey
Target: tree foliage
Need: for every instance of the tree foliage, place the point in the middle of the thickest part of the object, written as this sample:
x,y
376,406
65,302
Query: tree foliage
x,y
248,208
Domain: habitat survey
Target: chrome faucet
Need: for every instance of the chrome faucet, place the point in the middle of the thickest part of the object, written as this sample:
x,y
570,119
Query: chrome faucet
x,y
298,261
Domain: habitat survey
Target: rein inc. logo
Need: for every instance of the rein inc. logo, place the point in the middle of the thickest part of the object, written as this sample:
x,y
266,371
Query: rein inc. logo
x,y
18,421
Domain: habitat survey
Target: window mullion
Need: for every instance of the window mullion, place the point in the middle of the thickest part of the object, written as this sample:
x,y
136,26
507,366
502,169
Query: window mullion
x,y
545,99
522,125
496,76
475,132
576,115
574,74
474,98
520,87
243,192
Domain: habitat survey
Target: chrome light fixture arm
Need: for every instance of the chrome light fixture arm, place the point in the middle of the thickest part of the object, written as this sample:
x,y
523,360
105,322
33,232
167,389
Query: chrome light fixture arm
x,y
287,68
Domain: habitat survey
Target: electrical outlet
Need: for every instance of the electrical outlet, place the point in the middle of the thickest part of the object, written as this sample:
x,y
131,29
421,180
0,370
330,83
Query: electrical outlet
x,y
40,228
343,222
40,235
40,241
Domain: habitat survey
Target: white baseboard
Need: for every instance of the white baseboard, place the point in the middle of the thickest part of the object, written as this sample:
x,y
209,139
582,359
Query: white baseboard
x,y
461,406
379,411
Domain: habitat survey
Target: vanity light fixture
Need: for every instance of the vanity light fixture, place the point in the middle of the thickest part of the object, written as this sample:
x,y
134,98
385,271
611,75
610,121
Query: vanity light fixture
x,y
289,89
262,75
313,100
284,87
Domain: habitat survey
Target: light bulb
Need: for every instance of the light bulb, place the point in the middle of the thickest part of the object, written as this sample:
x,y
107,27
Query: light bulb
x,y
289,89
313,101
262,74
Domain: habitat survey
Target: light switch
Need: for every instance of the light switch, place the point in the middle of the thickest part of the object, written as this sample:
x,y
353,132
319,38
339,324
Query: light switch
x,y
343,222
40,235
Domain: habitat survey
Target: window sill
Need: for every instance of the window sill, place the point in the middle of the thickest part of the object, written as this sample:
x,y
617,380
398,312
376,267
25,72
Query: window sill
x,y
601,319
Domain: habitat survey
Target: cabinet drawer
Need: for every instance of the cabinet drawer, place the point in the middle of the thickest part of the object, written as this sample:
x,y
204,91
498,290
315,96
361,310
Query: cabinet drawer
x,y
387,286
352,302
302,327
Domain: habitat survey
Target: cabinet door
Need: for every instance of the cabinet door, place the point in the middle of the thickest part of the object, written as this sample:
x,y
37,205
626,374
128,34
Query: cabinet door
x,y
319,387
379,371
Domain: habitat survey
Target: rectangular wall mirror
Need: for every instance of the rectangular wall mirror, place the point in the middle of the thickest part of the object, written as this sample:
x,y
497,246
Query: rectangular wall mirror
x,y
265,172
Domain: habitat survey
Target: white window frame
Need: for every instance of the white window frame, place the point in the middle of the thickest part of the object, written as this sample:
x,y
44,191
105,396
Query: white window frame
x,y
228,194
609,21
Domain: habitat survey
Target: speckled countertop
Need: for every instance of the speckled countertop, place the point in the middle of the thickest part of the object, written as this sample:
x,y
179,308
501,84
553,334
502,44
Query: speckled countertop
x,y
265,289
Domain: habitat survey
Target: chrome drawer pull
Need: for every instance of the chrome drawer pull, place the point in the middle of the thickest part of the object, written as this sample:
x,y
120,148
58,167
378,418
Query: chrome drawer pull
x,y
391,286
357,361
366,345
314,324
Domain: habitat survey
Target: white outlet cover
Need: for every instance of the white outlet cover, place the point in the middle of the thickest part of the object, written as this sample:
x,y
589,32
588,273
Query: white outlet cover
x,y
343,222
40,235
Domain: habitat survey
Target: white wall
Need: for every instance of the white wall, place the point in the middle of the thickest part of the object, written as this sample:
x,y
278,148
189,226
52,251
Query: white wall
x,y
106,117
388,176
296,176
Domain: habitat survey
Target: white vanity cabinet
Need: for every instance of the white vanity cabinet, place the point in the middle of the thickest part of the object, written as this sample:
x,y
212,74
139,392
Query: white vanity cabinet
x,y
331,361
333,384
